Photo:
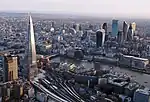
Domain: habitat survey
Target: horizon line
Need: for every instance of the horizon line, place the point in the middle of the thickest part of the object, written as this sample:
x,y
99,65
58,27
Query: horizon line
x,y
93,15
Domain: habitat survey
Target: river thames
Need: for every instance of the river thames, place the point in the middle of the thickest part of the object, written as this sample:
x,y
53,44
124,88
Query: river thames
x,y
143,79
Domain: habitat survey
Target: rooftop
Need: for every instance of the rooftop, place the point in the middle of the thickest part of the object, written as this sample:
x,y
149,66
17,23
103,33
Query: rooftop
x,y
137,58
118,82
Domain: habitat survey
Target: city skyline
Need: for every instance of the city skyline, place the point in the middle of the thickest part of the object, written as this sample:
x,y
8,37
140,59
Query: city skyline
x,y
115,8
73,58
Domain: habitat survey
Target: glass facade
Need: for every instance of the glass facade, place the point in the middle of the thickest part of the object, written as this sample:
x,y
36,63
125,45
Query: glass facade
x,y
31,51
100,38
125,30
1,61
114,28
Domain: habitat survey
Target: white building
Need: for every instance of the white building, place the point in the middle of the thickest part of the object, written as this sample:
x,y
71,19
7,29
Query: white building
x,y
135,62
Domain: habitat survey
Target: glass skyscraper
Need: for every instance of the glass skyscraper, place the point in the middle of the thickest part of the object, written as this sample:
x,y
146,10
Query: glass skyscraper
x,y
125,30
104,26
100,38
130,33
114,28
30,58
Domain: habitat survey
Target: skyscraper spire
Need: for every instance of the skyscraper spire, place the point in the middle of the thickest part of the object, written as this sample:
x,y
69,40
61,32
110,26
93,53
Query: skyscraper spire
x,y
31,51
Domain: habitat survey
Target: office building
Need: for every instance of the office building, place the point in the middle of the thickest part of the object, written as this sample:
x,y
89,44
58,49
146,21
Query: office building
x,y
135,62
104,26
74,26
117,84
30,59
130,33
10,67
100,38
141,95
64,26
125,30
80,27
131,88
133,26
77,27
91,27
120,37
53,24
11,92
52,29
114,28
78,54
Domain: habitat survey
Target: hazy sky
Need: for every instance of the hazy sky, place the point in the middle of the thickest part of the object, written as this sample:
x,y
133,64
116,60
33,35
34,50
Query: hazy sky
x,y
127,8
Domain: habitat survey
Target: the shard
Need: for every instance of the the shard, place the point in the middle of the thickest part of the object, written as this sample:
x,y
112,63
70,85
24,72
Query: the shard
x,y
31,64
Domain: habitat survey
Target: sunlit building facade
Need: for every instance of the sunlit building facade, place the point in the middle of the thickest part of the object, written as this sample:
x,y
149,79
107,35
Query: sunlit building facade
x,y
10,67
134,26
31,64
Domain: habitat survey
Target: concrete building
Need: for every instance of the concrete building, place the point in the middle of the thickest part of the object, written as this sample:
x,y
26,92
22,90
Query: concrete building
x,y
114,28
77,27
53,24
117,85
134,62
141,95
131,88
139,62
10,67
45,47
133,26
11,92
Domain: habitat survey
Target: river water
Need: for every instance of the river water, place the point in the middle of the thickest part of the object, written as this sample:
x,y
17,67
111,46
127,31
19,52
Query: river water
x,y
143,79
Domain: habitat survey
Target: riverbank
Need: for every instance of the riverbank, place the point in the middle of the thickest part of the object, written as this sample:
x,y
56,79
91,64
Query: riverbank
x,y
143,79
111,61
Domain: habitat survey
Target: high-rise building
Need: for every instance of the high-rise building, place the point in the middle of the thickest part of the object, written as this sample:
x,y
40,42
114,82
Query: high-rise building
x,y
11,92
120,37
100,38
77,27
80,27
52,29
30,58
125,30
91,27
53,24
141,95
133,26
104,26
64,26
130,33
10,67
74,26
114,28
